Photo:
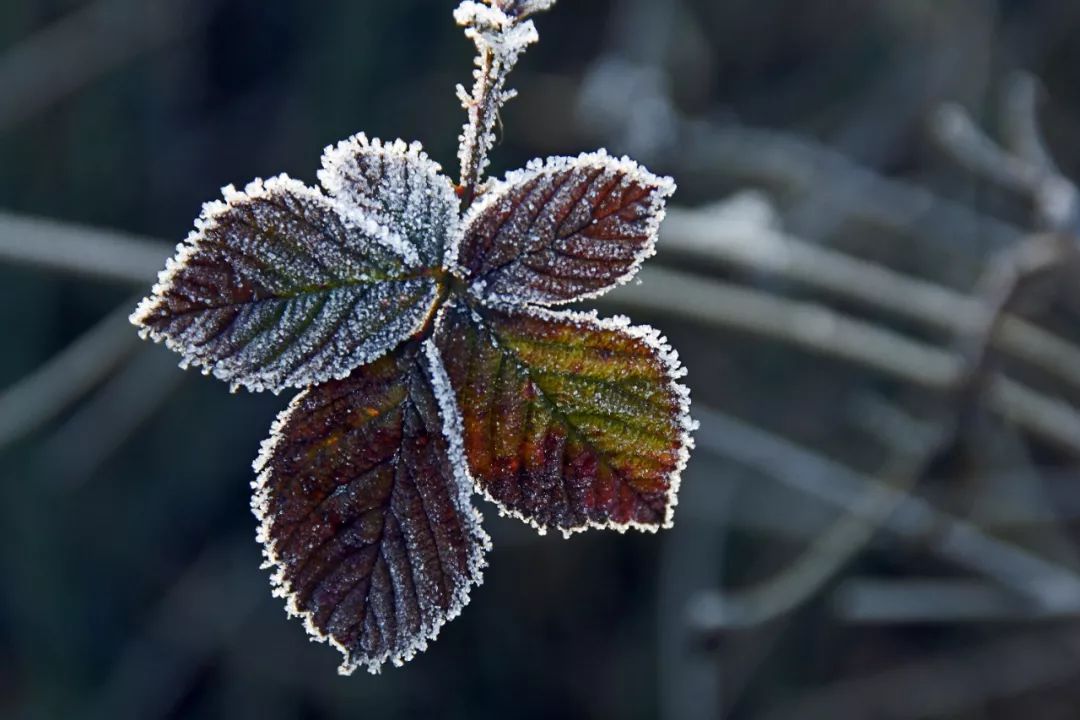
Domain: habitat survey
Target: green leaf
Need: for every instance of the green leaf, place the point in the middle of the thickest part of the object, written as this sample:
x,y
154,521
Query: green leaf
x,y
280,286
365,517
563,230
568,421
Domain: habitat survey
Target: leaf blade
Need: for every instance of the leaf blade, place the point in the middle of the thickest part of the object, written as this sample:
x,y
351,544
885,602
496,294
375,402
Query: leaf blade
x,y
279,287
371,531
398,184
563,230
568,421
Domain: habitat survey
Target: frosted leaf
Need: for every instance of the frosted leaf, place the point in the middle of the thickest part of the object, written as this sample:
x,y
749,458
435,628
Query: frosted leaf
x,y
562,230
280,286
400,186
567,420
372,535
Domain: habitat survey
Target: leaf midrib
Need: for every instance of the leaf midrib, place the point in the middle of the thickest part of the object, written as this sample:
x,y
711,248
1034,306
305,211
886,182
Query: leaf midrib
x,y
571,427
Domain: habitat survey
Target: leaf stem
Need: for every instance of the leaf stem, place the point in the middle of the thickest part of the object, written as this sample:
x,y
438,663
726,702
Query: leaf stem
x,y
501,32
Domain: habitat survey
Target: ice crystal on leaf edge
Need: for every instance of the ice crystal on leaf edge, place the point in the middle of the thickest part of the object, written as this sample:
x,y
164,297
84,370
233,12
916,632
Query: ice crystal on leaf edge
x,y
390,206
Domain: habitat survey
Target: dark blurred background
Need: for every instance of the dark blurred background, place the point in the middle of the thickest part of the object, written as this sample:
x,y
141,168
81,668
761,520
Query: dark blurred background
x,y
131,582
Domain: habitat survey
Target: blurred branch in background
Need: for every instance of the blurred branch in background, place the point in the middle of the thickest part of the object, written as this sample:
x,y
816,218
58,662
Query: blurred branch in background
x,y
948,683
80,250
808,325
835,303
77,49
49,390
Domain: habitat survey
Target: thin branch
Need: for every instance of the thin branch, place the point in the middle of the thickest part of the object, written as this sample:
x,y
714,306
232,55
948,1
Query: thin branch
x,y
1020,119
1045,583
793,164
69,54
114,256
702,235
501,33
807,325
1025,168
873,600
45,393
79,250
820,330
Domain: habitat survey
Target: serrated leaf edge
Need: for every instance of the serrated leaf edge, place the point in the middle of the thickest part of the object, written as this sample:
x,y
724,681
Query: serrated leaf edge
x,y
652,338
259,189
342,156
600,159
260,502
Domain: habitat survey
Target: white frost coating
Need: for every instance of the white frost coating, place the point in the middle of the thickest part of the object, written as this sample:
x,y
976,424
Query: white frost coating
x,y
500,39
461,496
295,337
454,434
524,8
551,171
652,339
674,371
400,185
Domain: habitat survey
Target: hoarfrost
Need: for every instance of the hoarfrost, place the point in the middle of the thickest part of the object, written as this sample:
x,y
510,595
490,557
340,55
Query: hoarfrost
x,y
571,422
279,286
363,489
399,185
373,537
562,230
500,39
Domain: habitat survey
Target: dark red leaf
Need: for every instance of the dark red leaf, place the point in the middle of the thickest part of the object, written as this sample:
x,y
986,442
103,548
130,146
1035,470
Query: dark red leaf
x,y
568,421
280,286
565,230
365,517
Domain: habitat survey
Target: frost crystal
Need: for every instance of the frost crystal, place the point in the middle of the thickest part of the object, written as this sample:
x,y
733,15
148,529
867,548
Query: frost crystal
x,y
431,366
280,286
562,230
372,534
500,39
399,185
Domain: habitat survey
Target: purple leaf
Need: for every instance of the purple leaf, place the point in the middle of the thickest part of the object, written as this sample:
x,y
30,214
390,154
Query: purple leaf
x,y
365,518
561,231
280,286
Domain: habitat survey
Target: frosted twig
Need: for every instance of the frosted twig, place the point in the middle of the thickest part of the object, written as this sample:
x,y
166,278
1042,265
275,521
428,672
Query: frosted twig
x,y
825,332
1005,284
501,33
822,559
74,249
700,235
40,396
54,62
1010,275
813,327
80,250
1020,119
